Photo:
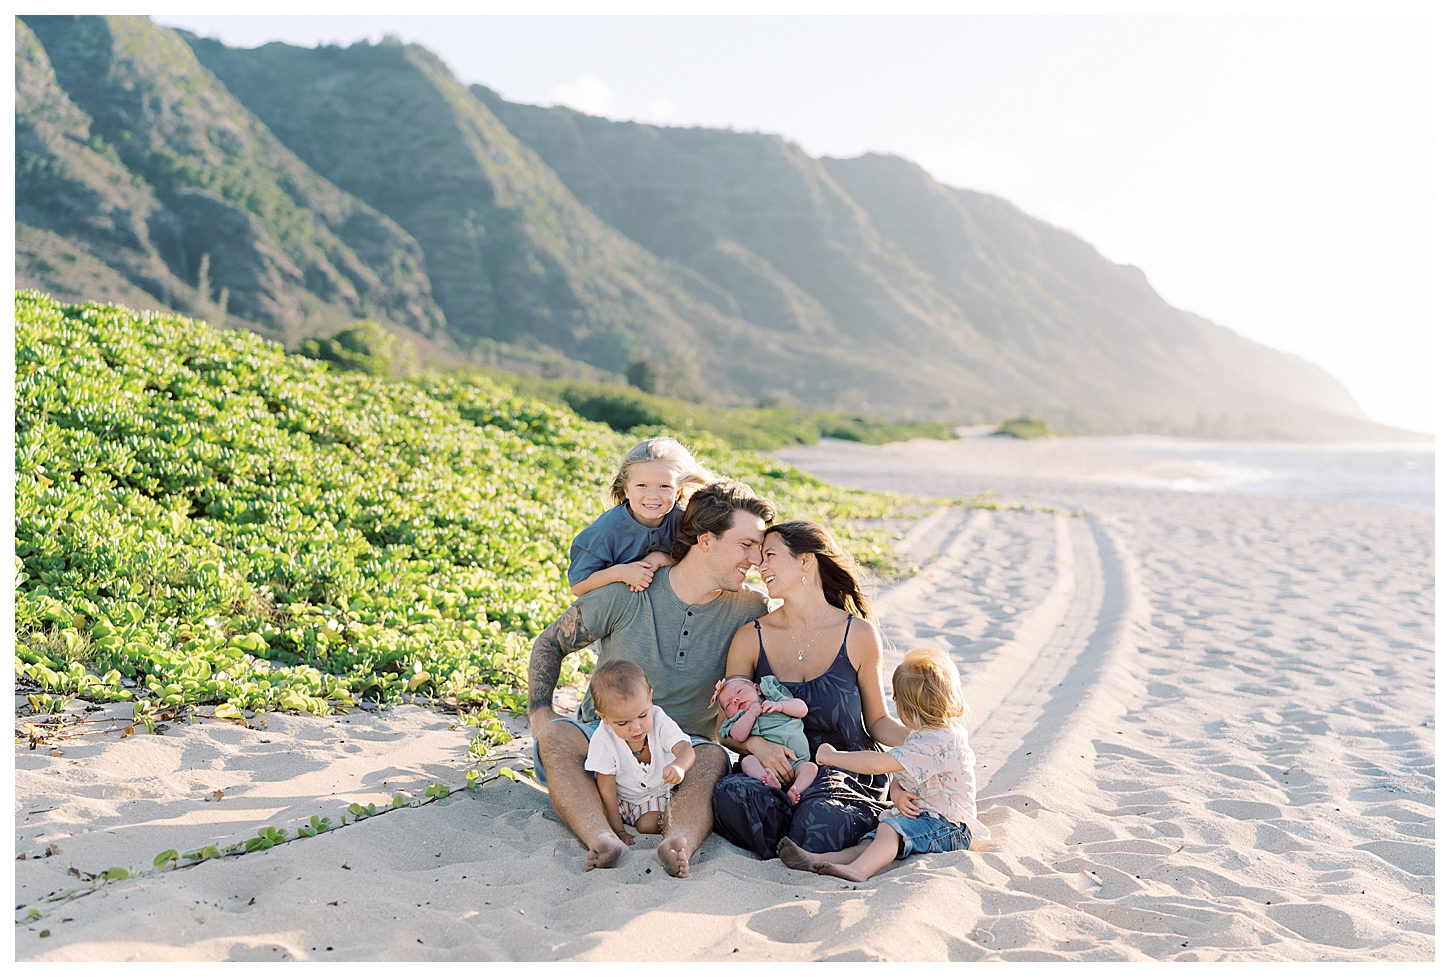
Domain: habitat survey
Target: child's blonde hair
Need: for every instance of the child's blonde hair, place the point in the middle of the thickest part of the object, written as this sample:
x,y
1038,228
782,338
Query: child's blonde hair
x,y
689,473
926,684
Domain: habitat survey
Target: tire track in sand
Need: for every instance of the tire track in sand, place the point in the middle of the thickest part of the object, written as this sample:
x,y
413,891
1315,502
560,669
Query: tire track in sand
x,y
1037,698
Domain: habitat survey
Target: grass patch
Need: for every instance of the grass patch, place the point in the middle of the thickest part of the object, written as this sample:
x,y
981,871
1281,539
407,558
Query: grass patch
x,y
1024,427
754,428
204,519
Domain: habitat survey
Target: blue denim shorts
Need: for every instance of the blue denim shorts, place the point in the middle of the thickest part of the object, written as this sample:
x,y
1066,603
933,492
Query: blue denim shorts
x,y
925,834
588,730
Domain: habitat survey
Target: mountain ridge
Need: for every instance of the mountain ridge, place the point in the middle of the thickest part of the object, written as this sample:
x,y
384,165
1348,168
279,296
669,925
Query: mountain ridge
x,y
291,190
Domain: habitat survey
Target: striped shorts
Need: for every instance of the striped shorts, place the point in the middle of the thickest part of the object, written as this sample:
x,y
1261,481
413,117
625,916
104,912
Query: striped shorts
x,y
631,813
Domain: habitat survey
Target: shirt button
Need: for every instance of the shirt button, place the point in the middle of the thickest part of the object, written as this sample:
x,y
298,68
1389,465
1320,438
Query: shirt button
x,y
687,632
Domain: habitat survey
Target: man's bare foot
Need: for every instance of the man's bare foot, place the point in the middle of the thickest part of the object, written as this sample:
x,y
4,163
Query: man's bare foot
x,y
604,852
796,857
674,855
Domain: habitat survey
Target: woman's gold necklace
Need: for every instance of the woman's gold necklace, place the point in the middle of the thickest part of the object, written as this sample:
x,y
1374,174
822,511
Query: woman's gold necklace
x,y
800,655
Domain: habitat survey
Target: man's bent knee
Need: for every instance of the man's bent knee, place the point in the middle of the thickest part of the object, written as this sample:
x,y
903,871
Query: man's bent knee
x,y
562,743
712,762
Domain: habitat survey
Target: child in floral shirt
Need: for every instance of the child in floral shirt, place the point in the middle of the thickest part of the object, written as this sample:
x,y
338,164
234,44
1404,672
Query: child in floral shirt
x,y
936,764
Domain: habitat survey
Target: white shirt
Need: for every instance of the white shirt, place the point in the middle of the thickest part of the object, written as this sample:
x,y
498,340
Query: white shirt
x,y
636,782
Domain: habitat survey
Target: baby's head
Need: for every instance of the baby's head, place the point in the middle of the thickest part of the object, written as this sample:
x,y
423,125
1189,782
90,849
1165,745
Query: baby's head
x,y
736,692
927,689
623,698
657,471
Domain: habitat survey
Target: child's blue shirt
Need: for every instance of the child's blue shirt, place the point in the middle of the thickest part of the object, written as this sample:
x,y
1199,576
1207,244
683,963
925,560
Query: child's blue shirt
x,y
616,538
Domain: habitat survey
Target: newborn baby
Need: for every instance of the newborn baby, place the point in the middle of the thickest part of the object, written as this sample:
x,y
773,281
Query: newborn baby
x,y
777,719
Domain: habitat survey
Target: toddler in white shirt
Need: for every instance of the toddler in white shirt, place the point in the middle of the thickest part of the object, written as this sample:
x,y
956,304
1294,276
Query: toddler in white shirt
x,y
638,754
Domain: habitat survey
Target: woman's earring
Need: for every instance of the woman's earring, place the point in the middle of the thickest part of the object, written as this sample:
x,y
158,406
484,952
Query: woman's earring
x,y
803,579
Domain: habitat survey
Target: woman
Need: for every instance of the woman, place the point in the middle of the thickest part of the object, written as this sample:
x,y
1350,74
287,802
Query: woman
x,y
822,645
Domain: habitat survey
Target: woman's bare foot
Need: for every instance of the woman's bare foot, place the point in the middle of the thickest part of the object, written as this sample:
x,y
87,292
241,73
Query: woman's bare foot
x,y
674,855
604,852
796,857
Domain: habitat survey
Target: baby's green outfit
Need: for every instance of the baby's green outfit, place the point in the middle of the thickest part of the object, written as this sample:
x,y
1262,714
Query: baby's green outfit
x,y
788,731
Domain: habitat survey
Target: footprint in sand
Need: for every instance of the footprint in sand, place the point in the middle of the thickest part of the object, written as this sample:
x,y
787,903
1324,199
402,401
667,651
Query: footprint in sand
x,y
1318,924
241,952
1414,859
1245,810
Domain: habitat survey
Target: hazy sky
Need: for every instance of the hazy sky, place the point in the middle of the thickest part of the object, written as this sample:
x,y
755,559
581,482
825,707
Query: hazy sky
x,y
1275,174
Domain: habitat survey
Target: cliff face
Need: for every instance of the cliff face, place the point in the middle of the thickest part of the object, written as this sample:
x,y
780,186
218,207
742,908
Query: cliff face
x,y
291,190
512,254
1030,317
131,150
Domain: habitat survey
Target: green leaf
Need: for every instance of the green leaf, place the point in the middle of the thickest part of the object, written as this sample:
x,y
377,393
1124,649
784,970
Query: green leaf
x,y
508,773
115,874
165,858
400,801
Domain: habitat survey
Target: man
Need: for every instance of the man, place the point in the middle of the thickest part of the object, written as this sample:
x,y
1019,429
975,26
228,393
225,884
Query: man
x,y
678,630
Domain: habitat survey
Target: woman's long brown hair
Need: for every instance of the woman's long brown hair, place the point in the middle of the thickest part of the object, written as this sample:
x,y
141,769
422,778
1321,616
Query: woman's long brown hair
x,y
838,570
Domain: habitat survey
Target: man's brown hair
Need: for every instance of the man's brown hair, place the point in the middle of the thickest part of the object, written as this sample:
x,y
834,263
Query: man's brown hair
x,y
712,510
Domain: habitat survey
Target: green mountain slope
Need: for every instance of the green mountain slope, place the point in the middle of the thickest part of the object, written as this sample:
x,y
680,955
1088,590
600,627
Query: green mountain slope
x,y
768,225
874,247
291,191
512,254
135,153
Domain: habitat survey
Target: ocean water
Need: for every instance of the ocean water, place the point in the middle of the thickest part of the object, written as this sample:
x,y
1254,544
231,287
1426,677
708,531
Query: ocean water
x,y
1400,475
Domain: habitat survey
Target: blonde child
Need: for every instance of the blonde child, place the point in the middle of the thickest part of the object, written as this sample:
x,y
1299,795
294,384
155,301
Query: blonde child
x,y
632,540
638,754
935,764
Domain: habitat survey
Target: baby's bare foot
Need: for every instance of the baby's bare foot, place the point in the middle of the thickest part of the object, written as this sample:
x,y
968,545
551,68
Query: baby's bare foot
x,y
605,851
796,857
794,794
674,855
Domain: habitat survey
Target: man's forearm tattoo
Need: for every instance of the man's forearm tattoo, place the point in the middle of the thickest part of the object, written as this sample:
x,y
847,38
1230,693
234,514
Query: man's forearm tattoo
x,y
563,637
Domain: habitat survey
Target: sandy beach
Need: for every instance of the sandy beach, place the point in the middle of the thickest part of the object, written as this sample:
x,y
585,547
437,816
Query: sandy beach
x,y
1204,723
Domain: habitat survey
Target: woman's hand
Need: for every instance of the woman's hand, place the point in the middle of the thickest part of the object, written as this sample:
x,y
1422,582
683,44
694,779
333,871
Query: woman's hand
x,y
825,753
774,757
904,800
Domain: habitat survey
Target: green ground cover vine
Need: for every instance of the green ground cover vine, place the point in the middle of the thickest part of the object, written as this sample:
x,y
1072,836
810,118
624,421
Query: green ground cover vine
x,y
204,519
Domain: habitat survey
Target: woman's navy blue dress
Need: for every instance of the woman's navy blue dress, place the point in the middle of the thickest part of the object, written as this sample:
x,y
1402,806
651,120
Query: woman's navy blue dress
x,y
838,807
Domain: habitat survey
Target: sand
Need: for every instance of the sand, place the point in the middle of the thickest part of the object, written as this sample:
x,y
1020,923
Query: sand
x,y
1205,725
